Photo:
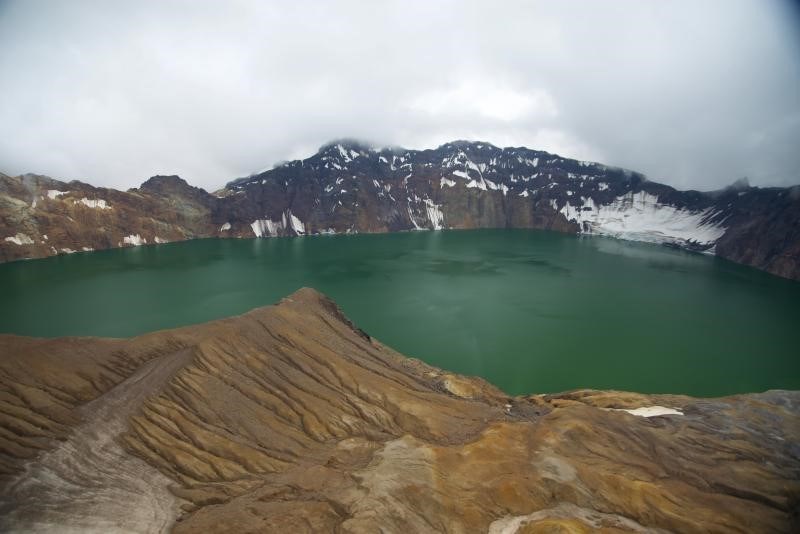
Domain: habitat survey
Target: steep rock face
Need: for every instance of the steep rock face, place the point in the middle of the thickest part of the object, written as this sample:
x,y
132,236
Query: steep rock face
x,y
291,418
763,230
350,187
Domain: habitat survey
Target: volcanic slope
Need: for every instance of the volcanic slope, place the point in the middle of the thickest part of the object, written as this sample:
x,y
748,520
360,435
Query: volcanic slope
x,y
349,187
291,418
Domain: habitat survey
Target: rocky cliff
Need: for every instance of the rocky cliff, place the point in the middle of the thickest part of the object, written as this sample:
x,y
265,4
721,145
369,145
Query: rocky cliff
x,y
290,418
350,187
40,216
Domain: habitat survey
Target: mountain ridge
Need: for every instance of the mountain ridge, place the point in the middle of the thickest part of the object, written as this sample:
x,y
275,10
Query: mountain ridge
x,y
349,186
291,418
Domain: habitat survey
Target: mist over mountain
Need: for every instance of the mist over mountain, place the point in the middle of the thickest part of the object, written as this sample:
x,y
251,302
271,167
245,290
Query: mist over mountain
x,y
350,186
692,94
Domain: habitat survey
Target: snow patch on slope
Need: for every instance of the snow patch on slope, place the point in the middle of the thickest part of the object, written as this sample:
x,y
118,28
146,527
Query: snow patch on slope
x,y
20,239
134,239
295,223
641,217
99,204
652,411
265,227
411,216
270,228
435,214
477,184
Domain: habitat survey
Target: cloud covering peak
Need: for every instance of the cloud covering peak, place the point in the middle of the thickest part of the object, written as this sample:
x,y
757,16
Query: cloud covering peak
x,y
694,94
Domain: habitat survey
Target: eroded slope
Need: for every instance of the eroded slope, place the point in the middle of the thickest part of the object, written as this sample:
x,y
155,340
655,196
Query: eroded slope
x,y
290,418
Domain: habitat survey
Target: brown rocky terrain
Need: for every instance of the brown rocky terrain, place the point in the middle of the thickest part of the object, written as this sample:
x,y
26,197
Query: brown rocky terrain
x,y
350,187
291,419
40,216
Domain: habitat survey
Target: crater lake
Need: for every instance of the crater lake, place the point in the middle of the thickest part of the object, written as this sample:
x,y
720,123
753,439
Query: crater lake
x,y
530,311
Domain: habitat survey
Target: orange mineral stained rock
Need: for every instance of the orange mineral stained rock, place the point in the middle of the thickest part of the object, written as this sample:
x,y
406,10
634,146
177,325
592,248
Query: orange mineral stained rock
x,y
289,418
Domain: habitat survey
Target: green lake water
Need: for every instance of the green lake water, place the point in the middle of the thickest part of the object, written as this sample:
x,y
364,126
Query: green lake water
x,y
529,311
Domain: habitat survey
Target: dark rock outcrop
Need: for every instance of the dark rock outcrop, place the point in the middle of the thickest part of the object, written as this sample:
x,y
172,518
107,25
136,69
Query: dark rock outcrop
x,y
288,418
351,187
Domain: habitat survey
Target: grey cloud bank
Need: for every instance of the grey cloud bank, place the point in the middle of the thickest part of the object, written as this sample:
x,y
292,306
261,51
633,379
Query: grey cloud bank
x,y
693,94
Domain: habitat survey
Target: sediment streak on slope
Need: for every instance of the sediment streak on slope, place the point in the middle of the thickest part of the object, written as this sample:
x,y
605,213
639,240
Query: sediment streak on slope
x,y
89,483
291,419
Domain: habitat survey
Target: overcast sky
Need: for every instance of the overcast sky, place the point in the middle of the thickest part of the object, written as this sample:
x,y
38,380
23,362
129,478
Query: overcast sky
x,y
693,93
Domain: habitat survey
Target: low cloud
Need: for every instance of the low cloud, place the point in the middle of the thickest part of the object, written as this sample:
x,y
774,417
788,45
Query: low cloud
x,y
695,94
